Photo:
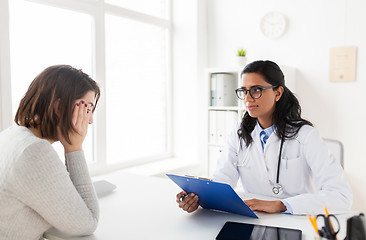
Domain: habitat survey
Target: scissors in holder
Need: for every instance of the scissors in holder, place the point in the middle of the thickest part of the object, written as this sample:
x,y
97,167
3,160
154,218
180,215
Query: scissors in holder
x,y
328,231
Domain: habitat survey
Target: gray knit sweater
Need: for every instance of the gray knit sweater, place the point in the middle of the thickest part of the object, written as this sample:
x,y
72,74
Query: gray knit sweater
x,y
37,192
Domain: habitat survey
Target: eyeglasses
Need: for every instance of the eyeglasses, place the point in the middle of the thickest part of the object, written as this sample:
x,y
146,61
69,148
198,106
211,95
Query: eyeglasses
x,y
255,92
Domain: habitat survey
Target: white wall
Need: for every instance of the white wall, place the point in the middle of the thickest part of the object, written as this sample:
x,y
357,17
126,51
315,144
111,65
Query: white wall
x,y
188,58
336,109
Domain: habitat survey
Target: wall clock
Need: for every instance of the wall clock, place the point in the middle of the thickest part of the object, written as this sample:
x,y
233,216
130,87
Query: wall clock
x,y
273,25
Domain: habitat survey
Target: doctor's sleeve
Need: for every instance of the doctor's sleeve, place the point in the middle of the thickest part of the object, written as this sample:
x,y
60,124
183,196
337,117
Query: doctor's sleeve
x,y
333,190
226,171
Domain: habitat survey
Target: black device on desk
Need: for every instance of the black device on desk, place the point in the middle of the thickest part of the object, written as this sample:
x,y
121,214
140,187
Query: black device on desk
x,y
245,231
356,228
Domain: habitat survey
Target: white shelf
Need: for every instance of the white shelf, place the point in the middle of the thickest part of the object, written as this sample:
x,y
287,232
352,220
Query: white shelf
x,y
220,119
231,108
237,70
215,145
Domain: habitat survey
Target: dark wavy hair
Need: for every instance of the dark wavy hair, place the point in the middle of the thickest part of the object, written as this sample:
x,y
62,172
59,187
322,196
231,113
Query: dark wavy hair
x,y
287,115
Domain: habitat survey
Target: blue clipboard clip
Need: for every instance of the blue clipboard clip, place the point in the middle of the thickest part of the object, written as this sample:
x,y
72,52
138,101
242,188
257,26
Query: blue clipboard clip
x,y
213,195
197,177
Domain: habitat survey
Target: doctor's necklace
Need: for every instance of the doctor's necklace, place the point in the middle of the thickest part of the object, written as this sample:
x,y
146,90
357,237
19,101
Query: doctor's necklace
x,y
277,188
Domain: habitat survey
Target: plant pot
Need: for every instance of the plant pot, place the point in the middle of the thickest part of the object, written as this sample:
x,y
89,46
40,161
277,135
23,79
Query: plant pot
x,y
242,61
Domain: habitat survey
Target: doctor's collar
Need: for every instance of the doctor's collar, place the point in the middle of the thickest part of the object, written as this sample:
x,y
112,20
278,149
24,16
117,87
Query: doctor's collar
x,y
268,130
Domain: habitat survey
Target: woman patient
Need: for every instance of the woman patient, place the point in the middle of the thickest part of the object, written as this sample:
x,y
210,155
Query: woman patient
x,y
38,191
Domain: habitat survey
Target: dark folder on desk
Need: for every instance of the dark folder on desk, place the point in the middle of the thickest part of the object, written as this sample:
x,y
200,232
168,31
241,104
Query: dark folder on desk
x,y
214,195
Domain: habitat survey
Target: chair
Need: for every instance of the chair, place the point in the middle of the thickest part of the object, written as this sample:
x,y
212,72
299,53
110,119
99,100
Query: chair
x,y
336,148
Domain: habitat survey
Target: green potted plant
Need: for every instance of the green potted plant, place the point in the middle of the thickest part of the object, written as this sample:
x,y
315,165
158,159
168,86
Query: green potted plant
x,y
242,57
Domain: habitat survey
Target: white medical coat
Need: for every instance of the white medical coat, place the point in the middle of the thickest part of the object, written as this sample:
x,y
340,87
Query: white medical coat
x,y
310,176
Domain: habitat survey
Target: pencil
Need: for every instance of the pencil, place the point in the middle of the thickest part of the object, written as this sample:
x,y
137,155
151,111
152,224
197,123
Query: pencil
x,y
312,219
330,223
326,211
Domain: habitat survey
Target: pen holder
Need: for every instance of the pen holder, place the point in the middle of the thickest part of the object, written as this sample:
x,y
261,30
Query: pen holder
x,y
324,237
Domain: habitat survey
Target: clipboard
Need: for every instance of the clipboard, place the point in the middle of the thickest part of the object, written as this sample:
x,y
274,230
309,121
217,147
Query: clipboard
x,y
214,195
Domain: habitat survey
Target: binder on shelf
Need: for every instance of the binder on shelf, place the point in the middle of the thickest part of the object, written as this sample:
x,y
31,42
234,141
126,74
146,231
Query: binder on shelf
x,y
225,87
212,135
222,87
231,120
220,125
213,93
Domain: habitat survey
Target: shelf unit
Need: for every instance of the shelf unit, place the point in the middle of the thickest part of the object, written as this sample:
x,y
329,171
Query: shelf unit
x,y
220,120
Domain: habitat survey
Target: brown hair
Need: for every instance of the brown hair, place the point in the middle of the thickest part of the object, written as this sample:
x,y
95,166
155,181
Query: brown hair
x,y
36,109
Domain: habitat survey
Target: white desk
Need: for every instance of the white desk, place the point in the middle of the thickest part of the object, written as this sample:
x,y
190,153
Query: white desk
x,y
144,208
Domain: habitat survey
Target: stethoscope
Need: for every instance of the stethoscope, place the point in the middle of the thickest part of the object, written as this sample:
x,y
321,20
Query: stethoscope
x,y
277,188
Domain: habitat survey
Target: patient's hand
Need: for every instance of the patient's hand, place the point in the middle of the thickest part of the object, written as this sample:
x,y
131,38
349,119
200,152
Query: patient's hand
x,y
188,202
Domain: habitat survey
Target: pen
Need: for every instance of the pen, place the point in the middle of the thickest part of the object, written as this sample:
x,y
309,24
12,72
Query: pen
x,y
330,223
312,219
182,197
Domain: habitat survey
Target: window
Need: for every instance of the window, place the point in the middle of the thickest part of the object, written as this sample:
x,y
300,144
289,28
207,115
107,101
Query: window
x,y
157,8
135,90
125,47
41,36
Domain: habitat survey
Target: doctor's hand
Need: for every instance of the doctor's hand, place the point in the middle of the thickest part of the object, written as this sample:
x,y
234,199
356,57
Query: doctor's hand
x,y
266,206
188,202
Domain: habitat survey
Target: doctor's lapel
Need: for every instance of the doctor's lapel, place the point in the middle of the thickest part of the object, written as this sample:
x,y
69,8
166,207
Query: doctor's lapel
x,y
261,160
273,139
257,142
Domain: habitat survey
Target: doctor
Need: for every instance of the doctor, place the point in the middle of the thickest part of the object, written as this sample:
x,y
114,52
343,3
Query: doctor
x,y
275,152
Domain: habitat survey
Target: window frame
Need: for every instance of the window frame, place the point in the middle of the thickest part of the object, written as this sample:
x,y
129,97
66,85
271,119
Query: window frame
x,y
97,9
5,86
